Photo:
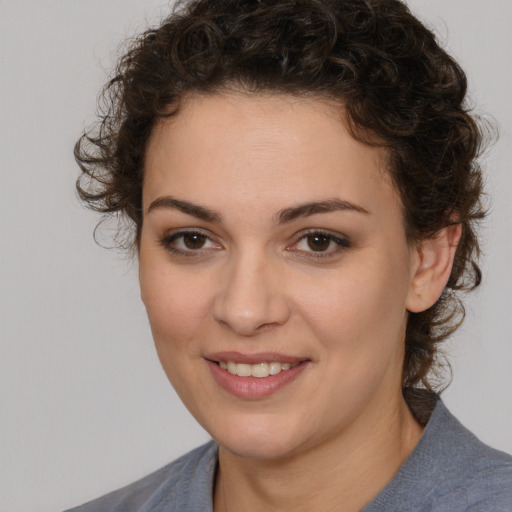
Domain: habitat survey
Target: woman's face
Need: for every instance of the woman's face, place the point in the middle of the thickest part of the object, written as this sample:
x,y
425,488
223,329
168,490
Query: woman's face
x,y
273,243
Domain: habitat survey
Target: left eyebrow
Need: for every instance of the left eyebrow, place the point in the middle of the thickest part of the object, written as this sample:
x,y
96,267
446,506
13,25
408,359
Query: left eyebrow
x,y
194,210
312,208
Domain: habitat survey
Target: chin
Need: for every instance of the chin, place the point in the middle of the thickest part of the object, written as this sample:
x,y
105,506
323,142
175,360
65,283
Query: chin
x,y
250,448
259,440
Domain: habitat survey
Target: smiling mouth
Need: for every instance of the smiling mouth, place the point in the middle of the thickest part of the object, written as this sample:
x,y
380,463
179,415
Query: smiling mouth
x,y
258,370
254,376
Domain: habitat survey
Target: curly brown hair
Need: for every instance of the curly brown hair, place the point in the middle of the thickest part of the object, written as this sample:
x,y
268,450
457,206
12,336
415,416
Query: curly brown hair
x,y
397,87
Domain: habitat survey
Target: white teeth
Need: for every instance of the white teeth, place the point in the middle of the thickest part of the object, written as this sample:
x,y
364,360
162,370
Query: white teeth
x,y
275,368
243,370
259,370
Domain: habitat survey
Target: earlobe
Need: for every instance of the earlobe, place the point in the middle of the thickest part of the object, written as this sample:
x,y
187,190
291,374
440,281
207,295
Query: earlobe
x,y
432,268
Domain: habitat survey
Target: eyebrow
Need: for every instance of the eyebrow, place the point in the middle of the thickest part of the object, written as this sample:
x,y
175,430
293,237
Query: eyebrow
x,y
312,208
192,209
282,217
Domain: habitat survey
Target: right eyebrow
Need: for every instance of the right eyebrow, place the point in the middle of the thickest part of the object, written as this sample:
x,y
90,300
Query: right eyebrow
x,y
191,209
315,207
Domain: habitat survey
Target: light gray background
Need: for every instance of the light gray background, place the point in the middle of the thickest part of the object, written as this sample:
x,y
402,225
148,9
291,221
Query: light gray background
x,y
85,407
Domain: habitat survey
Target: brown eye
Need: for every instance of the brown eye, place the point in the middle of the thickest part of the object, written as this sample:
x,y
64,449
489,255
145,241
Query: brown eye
x,y
318,242
194,240
189,243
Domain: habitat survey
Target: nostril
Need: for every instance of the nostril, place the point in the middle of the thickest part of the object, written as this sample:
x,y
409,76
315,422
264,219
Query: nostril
x,y
249,302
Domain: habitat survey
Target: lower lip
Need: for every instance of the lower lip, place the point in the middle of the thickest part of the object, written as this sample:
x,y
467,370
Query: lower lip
x,y
253,388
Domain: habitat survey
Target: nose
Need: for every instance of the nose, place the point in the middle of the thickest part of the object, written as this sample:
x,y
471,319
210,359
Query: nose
x,y
250,298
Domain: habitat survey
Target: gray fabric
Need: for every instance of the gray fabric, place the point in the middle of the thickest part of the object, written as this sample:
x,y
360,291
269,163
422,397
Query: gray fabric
x,y
184,485
450,470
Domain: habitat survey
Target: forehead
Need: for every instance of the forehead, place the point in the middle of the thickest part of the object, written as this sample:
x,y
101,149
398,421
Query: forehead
x,y
266,147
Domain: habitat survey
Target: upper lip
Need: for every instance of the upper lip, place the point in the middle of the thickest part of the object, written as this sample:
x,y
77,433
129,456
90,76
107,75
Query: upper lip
x,y
267,357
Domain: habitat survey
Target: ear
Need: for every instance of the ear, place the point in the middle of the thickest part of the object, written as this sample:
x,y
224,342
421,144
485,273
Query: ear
x,y
432,265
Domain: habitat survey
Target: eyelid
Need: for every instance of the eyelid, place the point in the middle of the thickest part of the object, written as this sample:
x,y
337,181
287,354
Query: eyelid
x,y
343,243
167,240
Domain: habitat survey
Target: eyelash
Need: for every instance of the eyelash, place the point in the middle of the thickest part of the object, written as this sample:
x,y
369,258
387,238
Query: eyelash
x,y
167,243
341,242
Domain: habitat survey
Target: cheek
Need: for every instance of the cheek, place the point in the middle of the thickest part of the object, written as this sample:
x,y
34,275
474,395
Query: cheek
x,y
176,306
360,307
177,309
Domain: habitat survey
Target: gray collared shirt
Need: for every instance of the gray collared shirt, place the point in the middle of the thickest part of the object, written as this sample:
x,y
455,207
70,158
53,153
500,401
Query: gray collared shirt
x,y
449,470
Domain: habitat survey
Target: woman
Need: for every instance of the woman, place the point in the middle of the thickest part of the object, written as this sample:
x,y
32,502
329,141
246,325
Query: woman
x,y
302,184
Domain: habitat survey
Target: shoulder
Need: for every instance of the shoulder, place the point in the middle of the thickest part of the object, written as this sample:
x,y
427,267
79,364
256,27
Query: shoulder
x,y
188,480
449,470
476,474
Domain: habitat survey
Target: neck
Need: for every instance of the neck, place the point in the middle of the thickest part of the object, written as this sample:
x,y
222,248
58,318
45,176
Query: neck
x,y
341,474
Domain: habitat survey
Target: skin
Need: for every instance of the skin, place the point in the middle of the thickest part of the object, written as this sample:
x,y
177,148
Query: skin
x,y
333,437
